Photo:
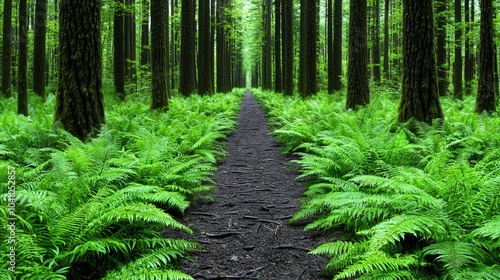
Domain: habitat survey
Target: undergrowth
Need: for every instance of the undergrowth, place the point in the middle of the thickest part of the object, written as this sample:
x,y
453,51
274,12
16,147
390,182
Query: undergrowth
x,y
108,206
415,201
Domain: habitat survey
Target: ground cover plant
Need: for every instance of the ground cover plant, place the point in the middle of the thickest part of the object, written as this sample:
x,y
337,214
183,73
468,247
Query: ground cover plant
x,y
109,205
415,201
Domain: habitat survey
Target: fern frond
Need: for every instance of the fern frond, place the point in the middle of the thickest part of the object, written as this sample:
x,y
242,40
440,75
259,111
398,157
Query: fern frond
x,y
147,274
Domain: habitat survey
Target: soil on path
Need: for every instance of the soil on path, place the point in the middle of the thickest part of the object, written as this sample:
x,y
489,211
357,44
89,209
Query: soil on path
x,y
246,231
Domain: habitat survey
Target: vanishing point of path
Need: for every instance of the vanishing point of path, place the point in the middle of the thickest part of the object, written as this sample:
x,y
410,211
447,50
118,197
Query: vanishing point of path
x,y
245,232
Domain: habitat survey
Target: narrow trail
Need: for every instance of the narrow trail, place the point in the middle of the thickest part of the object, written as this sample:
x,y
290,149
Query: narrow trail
x,y
246,232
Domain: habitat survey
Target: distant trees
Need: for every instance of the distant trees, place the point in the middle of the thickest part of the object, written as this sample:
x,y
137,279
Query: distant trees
x,y
420,97
79,100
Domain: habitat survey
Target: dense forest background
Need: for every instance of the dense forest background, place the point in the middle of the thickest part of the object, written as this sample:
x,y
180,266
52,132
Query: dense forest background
x,y
114,115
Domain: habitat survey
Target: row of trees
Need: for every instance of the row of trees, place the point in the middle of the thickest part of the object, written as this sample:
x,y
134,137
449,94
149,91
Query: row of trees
x,y
205,46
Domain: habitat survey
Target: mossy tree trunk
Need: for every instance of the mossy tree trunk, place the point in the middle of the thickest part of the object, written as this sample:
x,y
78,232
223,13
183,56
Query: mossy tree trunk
x,y
79,101
420,97
7,48
358,92
22,83
39,55
160,90
485,100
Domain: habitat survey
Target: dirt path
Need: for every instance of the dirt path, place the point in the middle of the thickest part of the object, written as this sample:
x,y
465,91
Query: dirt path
x,y
246,232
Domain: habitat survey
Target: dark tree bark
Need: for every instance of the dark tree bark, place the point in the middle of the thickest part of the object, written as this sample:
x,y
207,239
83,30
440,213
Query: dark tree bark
x,y
119,49
376,42
187,80
302,47
22,92
213,20
457,65
310,33
387,74
130,41
160,90
420,97
173,47
337,46
145,34
278,82
223,54
266,47
79,101
358,92
39,57
7,48
204,43
467,60
288,46
441,47
485,100
329,43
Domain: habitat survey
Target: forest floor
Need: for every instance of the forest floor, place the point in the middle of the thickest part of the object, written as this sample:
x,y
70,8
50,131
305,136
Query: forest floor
x,y
246,232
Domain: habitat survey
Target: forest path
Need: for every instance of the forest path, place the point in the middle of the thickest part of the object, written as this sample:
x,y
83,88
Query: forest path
x,y
246,232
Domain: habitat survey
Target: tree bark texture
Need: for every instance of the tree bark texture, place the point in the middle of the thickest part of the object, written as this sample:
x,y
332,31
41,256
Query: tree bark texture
x,y
278,82
7,48
79,101
187,82
485,100
119,49
358,92
145,34
39,56
22,92
420,98
204,48
337,45
457,65
310,33
376,42
288,46
160,90
266,47
441,47
223,54
329,43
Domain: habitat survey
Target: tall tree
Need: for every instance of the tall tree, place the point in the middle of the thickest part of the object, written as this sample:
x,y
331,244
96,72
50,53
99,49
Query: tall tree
x,y
441,47
329,16
79,101
22,93
337,45
387,74
278,83
468,45
187,67
288,46
310,58
223,53
457,65
7,48
266,46
160,90
420,97
119,48
130,40
376,41
204,44
485,100
39,56
358,92
145,33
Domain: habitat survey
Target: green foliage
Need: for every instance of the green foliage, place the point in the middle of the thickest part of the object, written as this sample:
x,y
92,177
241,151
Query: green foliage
x,y
415,201
109,205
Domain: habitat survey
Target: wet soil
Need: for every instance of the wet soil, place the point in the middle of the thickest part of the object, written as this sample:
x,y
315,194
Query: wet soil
x,y
246,232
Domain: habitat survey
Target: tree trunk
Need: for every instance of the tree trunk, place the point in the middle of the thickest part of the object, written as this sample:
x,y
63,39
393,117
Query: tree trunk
x,y
187,70
223,54
119,49
358,92
387,74
7,48
310,33
278,83
329,44
467,60
441,47
337,46
130,41
39,57
485,100
79,101
266,47
457,65
288,46
420,97
145,34
160,91
204,43
22,94
376,42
